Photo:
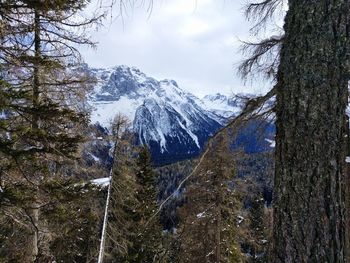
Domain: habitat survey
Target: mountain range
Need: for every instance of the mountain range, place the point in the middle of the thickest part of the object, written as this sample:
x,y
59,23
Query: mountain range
x,y
174,123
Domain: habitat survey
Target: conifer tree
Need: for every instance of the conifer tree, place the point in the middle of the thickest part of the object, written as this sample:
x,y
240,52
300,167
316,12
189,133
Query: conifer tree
x,y
208,229
133,232
147,242
72,221
121,211
258,230
40,91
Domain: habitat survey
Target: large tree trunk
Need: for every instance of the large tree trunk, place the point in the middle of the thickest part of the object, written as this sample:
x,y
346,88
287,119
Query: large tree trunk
x,y
309,206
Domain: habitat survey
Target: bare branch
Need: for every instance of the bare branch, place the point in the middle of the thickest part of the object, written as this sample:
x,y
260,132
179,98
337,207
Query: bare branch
x,y
262,12
264,57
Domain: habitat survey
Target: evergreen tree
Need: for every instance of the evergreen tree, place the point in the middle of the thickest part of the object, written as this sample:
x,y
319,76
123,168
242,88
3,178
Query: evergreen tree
x,y
208,229
40,109
73,221
147,243
121,211
133,232
258,229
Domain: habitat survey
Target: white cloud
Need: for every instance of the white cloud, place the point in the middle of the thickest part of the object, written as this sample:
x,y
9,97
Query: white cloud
x,y
194,42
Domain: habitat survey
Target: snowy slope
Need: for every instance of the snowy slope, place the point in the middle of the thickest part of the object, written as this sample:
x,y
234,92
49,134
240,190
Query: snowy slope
x,y
222,105
123,89
170,120
174,123
105,99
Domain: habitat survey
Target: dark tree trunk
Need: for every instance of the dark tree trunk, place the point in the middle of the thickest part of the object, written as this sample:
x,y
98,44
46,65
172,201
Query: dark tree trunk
x,y
309,205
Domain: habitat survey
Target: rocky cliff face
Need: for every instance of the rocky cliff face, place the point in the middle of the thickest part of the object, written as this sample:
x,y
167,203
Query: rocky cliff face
x,y
174,123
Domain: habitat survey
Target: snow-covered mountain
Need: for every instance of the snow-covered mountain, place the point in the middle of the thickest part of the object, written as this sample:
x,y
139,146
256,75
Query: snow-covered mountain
x,y
124,89
174,123
222,105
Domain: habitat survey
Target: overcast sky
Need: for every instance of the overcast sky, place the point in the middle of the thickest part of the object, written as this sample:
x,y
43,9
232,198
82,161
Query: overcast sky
x,y
193,42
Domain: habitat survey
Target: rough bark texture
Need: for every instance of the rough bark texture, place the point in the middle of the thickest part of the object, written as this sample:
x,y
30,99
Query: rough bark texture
x,y
309,211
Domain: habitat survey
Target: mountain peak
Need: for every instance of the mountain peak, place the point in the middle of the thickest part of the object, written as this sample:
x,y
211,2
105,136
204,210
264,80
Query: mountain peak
x,y
128,70
168,119
170,82
217,96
